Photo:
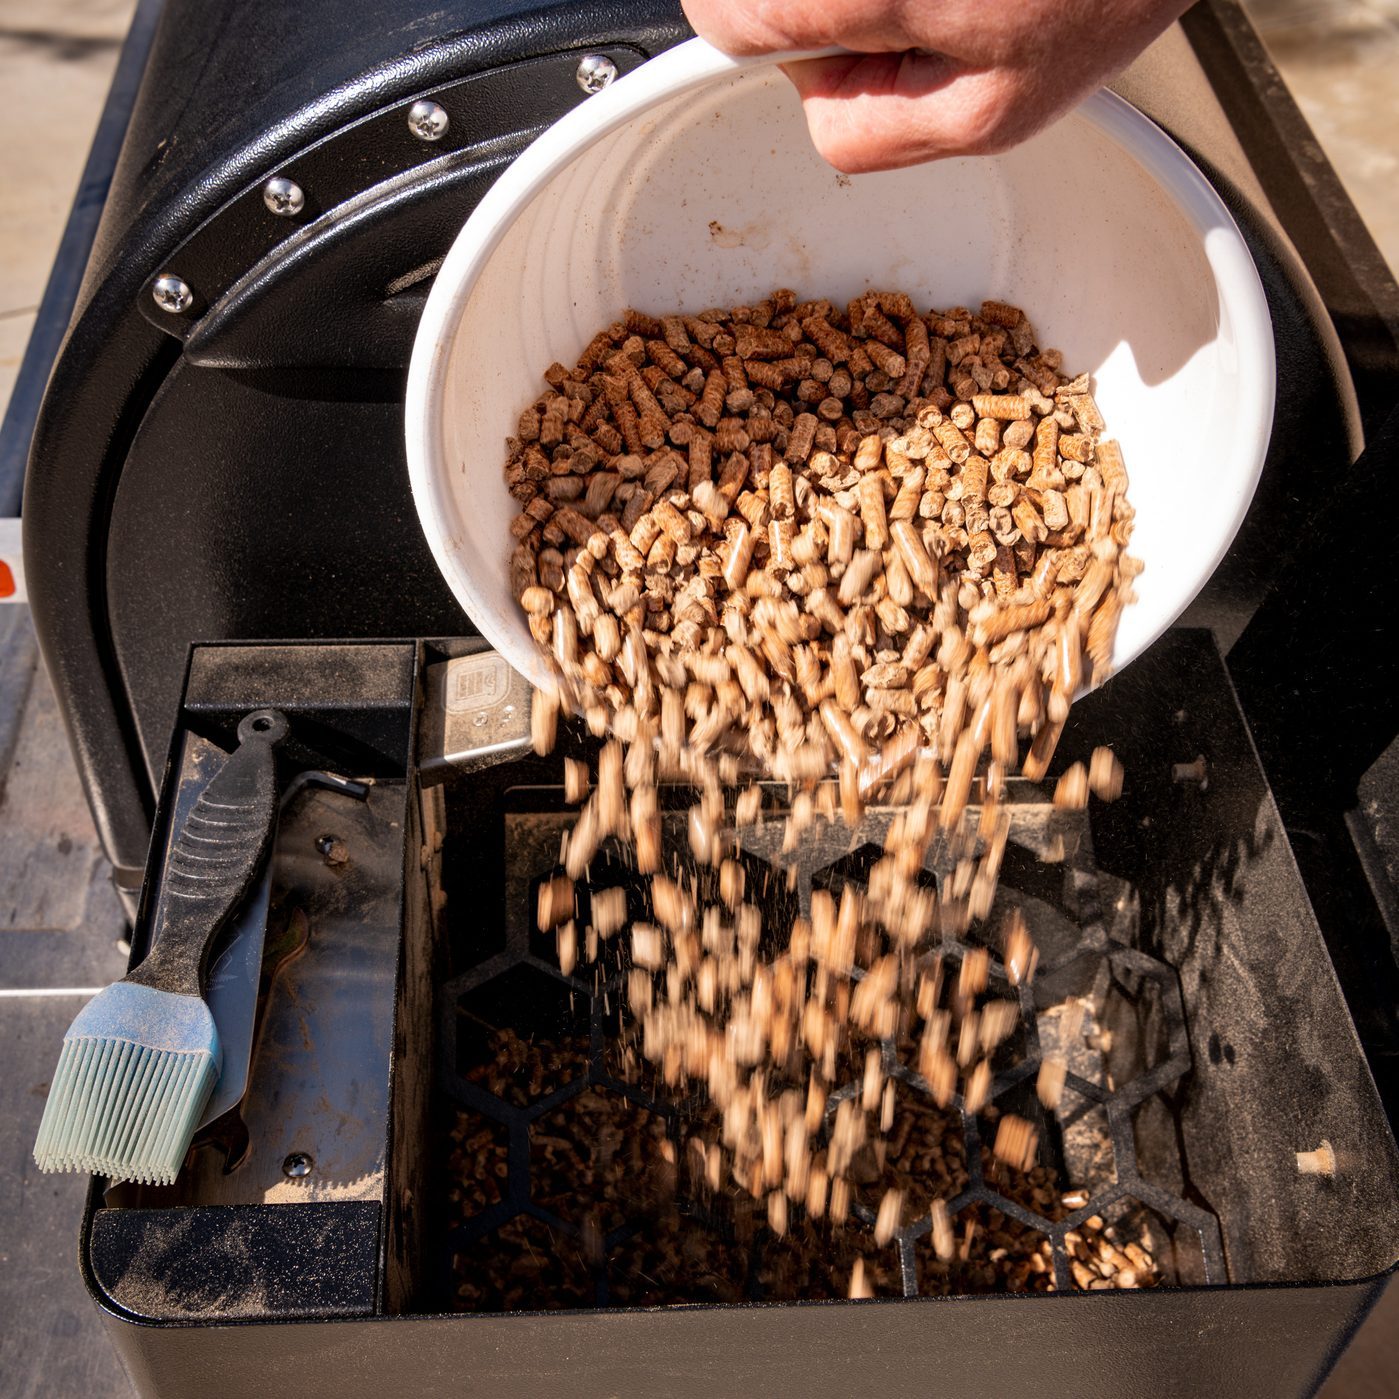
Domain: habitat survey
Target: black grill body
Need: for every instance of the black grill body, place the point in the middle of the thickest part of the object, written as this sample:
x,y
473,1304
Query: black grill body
x,y
238,470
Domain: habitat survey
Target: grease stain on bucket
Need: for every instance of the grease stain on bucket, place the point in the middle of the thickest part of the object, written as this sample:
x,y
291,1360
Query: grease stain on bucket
x,y
757,234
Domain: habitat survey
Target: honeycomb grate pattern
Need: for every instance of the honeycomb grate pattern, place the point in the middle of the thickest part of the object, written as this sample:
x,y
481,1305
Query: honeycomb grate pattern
x,y
529,1054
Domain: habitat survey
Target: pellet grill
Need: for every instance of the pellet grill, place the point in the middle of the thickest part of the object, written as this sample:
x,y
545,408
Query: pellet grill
x,y
442,1172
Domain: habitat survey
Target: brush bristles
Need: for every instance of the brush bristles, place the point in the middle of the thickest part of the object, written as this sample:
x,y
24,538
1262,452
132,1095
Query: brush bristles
x,y
123,1110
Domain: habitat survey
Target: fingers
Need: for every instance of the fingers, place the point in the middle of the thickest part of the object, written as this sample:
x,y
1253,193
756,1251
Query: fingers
x,y
881,112
772,26
931,78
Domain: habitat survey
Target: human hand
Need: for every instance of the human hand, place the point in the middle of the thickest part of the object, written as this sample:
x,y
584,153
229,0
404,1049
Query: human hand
x,y
932,78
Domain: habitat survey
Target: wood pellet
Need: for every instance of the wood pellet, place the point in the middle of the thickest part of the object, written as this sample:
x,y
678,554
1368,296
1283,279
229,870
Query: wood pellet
x,y
867,552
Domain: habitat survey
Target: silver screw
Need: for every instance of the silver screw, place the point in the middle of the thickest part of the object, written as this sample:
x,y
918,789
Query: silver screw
x,y
427,121
296,1165
283,197
595,72
172,293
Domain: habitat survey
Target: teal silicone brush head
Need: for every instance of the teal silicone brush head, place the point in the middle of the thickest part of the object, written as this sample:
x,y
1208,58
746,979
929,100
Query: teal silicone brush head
x,y
136,1069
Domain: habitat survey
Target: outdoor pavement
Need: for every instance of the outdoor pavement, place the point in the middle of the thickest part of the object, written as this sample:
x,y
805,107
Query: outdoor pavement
x,y
60,924
56,62
59,931
1340,58
59,919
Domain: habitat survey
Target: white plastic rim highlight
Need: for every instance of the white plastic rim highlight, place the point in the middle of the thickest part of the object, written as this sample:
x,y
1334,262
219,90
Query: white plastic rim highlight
x,y
691,182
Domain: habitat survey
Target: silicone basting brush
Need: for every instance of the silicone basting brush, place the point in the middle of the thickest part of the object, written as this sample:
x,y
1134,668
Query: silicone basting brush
x,y
140,1061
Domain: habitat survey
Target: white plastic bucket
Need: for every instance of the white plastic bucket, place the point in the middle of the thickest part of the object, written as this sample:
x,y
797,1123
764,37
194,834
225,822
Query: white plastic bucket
x,y
692,183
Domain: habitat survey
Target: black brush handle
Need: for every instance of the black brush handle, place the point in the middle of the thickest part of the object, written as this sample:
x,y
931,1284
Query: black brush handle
x,y
215,858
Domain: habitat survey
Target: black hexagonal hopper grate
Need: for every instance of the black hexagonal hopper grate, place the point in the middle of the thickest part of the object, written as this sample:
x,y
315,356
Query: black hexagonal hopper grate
x,y
576,1177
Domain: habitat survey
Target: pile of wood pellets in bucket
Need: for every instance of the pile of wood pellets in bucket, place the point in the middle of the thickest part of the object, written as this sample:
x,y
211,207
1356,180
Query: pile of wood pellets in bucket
x,y
866,552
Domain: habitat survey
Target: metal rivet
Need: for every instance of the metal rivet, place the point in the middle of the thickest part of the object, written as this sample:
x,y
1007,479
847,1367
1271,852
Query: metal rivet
x,y
335,851
296,1165
595,72
284,197
427,121
172,294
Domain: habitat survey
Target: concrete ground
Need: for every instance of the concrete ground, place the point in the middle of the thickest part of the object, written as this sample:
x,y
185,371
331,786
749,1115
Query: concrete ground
x,y
1340,58
59,923
59,929
59,919
56,62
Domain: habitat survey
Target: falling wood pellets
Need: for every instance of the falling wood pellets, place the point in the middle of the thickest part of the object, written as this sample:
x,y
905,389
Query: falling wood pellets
x,y
1049,1083
1016,1142
1105,775
609,911
867,553
575,780
887,1221
944,1242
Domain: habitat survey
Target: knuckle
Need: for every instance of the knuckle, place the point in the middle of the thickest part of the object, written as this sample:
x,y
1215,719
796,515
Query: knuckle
x,y
988,123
